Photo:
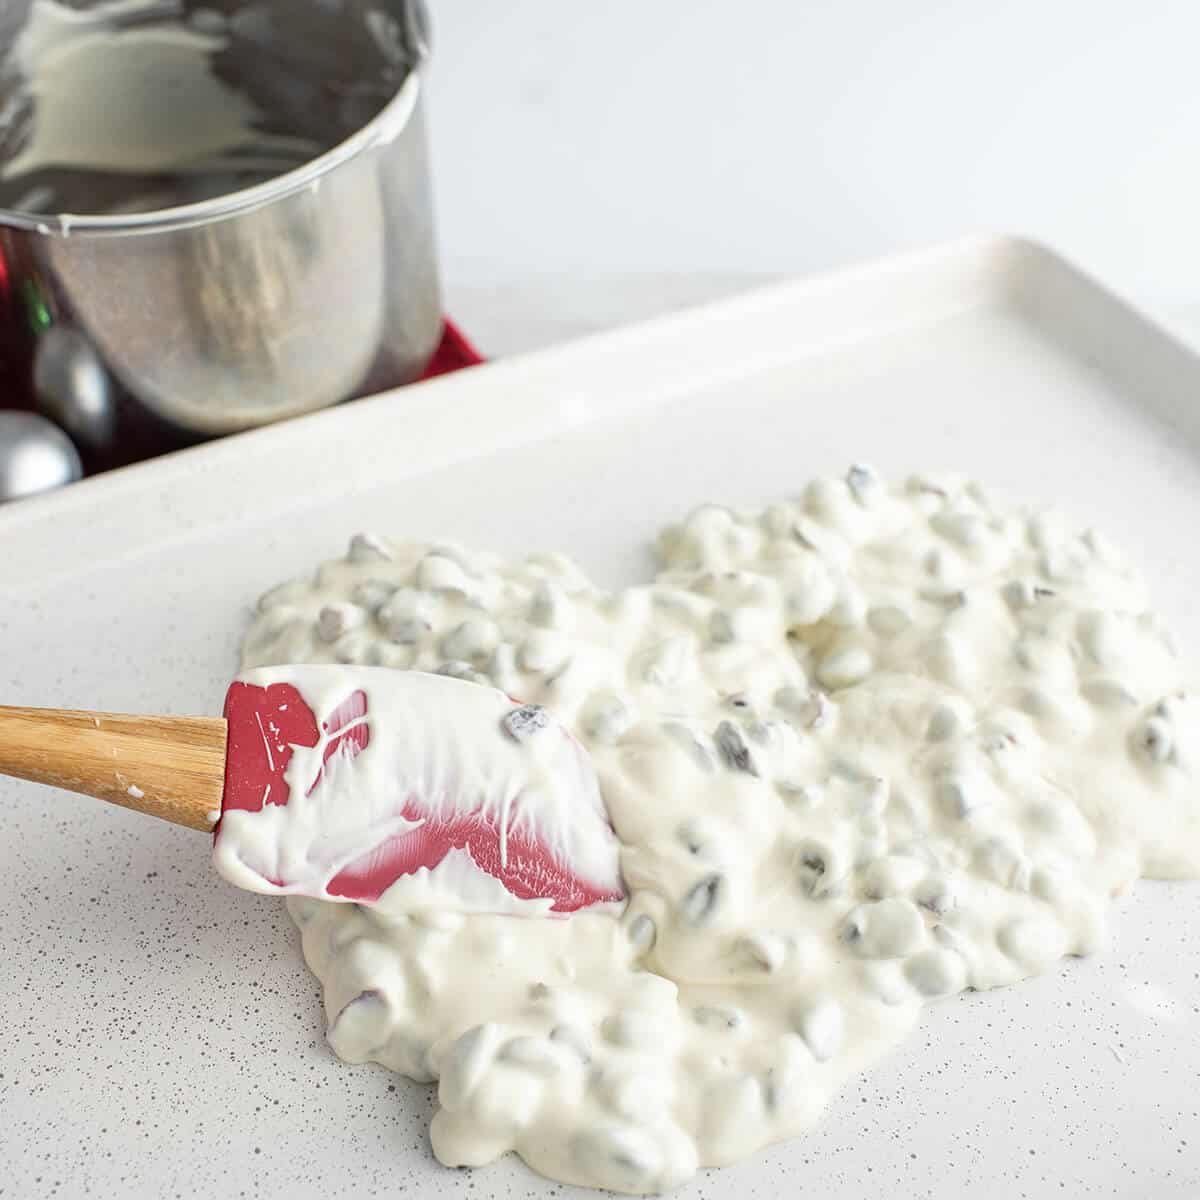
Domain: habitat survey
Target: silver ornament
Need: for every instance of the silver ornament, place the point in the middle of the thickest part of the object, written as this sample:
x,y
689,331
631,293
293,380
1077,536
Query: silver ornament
x,y
73,388
34,455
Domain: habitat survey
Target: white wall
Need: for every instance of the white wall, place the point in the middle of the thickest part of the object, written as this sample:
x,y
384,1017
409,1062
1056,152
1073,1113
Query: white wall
x,y
579,142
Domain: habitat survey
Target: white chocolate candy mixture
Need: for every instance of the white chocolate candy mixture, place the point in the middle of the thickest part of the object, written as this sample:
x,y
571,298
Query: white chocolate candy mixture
x,y
861,750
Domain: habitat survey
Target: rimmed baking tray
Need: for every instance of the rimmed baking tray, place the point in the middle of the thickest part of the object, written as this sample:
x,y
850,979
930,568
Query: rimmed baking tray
x,y
162,1035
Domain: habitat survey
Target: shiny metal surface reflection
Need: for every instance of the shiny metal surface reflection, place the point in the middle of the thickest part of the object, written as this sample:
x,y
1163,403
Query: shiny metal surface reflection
x,y
254,286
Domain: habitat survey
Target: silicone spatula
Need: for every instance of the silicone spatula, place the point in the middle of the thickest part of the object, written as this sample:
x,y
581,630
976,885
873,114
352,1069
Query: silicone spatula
x,y
353,783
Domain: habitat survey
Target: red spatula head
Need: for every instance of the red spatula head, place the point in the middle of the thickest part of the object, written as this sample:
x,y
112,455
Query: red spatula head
x,y
410,791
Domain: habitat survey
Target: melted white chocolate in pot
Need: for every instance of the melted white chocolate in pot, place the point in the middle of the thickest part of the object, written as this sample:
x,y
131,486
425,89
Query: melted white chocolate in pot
x,y
861,750
126,86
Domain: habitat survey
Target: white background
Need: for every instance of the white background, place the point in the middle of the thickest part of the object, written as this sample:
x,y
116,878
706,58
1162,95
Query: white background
x,y
597,162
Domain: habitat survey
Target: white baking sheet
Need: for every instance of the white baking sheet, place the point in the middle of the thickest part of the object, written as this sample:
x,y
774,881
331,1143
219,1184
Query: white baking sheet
x,y
161,1036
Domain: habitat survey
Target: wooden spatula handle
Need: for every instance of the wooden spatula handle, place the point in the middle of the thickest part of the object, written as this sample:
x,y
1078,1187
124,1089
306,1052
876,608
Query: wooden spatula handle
x,y
169,767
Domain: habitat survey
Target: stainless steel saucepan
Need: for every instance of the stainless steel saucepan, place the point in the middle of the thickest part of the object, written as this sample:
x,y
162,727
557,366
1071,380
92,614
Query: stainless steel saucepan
x,y
225,203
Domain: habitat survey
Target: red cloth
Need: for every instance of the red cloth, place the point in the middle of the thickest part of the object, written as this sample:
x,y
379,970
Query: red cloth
x,y
453,353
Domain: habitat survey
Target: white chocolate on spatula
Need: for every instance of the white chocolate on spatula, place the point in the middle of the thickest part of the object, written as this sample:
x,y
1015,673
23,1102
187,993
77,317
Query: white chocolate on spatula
x,y
410,791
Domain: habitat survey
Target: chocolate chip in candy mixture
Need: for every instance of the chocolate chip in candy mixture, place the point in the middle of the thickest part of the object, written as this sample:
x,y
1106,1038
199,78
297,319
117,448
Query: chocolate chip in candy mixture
x,y
733,748
702,899
522,723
